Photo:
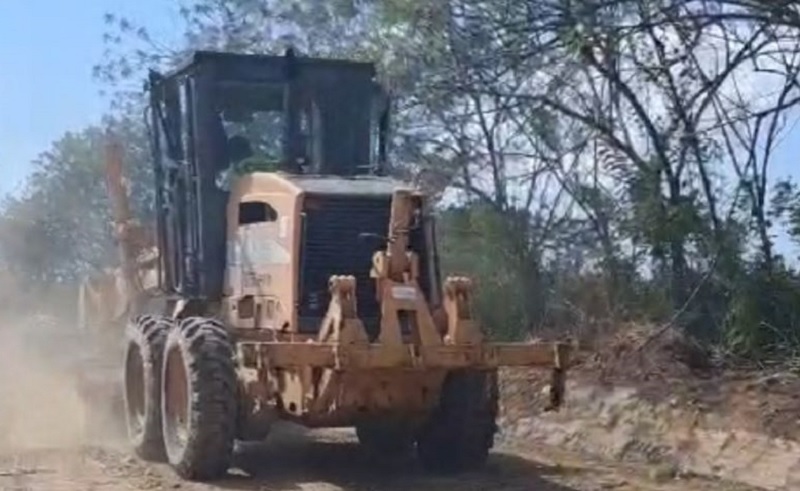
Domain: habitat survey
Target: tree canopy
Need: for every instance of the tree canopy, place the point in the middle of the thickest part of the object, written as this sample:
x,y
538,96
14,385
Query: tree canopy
x,y
594,161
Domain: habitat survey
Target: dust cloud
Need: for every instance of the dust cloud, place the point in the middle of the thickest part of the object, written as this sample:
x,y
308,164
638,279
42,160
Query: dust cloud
x,y
45,402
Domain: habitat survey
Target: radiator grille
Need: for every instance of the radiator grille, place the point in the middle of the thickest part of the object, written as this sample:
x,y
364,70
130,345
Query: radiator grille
x,y
331,245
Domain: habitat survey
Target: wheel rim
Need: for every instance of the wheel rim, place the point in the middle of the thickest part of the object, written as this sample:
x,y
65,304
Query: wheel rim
x,y
134,391
176,402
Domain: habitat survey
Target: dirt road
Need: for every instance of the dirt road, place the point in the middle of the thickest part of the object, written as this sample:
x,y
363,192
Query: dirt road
x,y
329,461
43,446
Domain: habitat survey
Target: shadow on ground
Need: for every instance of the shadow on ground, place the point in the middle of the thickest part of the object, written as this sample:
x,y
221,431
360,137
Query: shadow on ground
x,y
312,465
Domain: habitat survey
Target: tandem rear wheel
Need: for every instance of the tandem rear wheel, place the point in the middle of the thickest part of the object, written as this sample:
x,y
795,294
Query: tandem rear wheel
x,y
145,336
199,400
180,394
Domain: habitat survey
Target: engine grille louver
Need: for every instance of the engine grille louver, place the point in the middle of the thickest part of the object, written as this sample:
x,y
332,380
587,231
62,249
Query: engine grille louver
x,y
331,245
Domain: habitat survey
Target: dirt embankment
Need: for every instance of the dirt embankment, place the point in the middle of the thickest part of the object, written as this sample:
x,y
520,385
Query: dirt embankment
x,y
664,402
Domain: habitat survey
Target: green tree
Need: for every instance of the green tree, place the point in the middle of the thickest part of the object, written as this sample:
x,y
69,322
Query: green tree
x,y
59,228
591,159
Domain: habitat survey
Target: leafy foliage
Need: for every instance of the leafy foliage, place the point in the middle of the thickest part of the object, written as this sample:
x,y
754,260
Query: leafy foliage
x,y
593,161
59,228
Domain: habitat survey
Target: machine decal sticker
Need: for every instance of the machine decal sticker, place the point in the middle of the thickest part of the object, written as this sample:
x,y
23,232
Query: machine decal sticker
x,y
283,227
266,253
234,252
404,293
260,247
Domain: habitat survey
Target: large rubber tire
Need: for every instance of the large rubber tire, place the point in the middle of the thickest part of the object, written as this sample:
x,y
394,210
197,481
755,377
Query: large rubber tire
x,y
145,336
460,433
385,438
199,399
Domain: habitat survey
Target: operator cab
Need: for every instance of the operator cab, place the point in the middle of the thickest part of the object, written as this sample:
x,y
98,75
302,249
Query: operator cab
x,y
267,113
307,115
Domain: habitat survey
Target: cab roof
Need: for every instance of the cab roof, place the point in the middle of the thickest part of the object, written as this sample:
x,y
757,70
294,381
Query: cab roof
x,y
350,185
224,61
365,185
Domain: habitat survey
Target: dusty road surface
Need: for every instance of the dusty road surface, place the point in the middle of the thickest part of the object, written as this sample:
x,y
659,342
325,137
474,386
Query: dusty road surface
x,y
45,445
323,461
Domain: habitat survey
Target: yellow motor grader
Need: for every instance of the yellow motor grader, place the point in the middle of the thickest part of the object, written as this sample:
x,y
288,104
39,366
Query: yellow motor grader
x,y
299,281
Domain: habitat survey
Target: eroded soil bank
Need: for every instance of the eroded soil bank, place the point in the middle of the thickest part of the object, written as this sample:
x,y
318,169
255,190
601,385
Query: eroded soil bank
x,y
665,407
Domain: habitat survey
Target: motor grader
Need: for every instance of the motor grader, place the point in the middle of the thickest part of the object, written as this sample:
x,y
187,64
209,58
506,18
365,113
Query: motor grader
x,y
300,282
